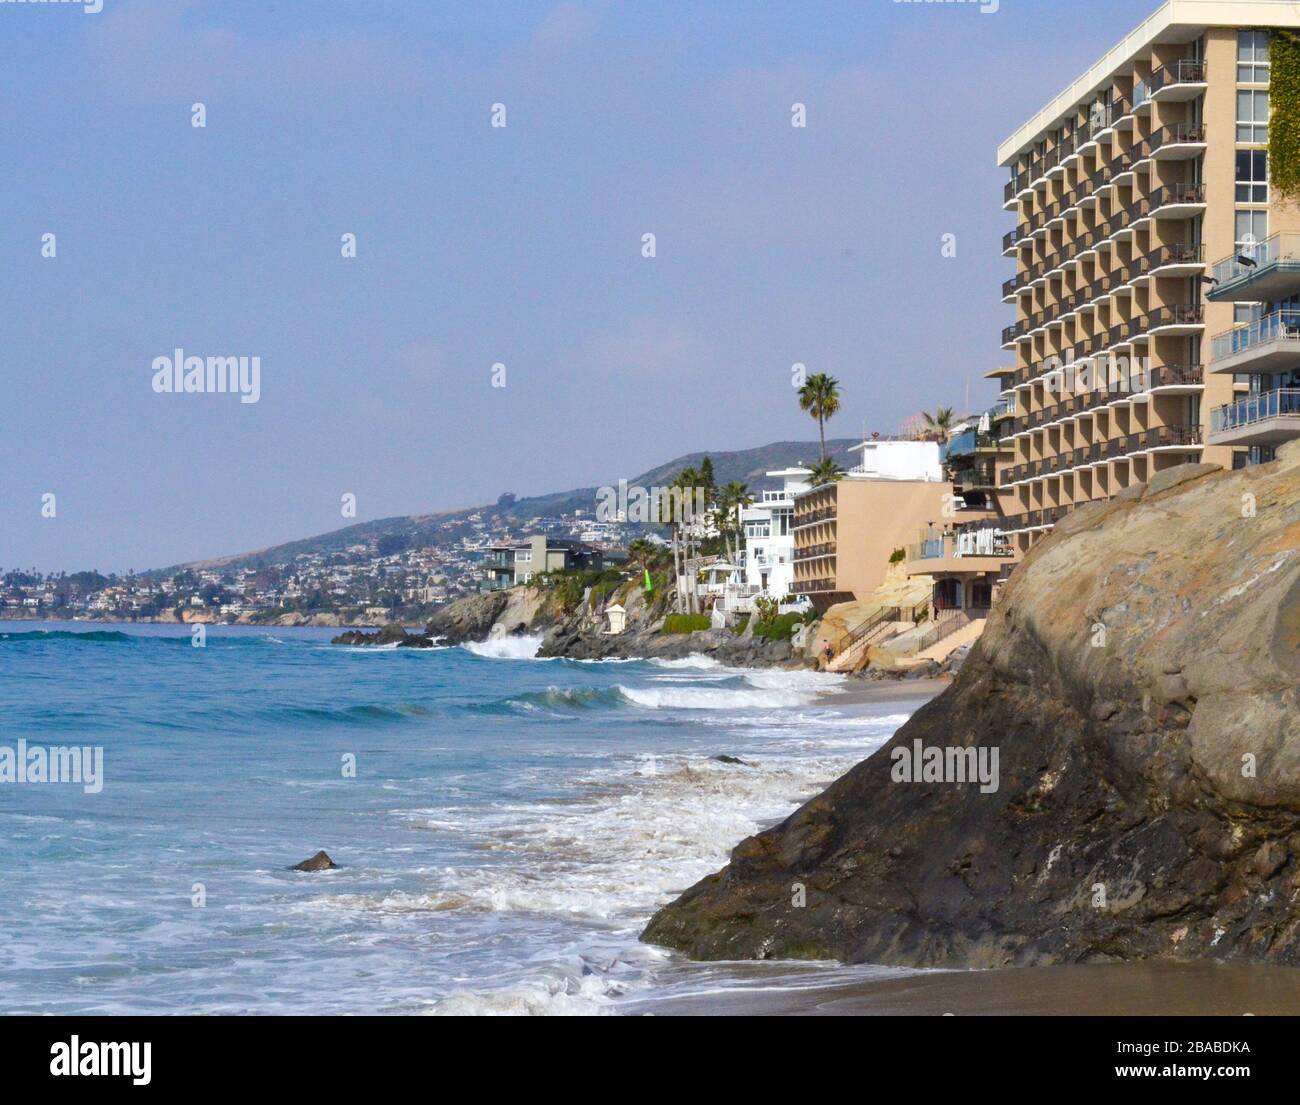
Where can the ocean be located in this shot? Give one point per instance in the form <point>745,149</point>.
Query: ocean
<point>504,825</point>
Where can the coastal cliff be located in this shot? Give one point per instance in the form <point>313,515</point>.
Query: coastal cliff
<point>1140,685</point>
<point>574,626</point>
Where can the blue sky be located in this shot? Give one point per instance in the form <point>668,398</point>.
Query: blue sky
<point>478,245</point>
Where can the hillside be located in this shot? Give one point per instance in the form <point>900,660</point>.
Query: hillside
<point>745,465</point>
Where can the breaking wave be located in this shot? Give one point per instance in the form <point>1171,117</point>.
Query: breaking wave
<point>505,648</point>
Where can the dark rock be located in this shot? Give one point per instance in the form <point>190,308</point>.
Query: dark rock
<point>725,759</point>
<point>391,634</point>
<point>319,862</point>
<point>1121,827</point>
<point>468,619</point>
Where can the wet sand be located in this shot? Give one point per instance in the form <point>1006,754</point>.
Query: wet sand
<point>1153,988</point>
<point>855,691</point>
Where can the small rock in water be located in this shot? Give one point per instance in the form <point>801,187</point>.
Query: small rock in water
<point>725,759</point>
<point>319,862</point>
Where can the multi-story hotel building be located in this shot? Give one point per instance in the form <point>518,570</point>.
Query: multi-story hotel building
<point>1126,189</point>
<point>967,553</point>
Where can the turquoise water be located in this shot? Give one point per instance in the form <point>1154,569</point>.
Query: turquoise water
<point>510,826</point>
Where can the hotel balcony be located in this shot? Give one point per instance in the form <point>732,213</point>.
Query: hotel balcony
<point>1177,319</point>
<point>812,586</point>
<point>984,550</point>
<point>813,517</point>
<point>1177,201</point>
<point>1179,142</point>
<point>1275,274</point>
<point>1179,81</point>
<point>1269,344</point>
<point>1267,418</point>
<point>814,552</point>
<point>1155,440</point>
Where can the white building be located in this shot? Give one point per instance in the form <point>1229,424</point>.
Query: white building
<point>767,560</point>
<point>897,460</point>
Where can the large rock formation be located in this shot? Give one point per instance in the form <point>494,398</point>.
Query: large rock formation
<point>1140,684</point>
<point>578,629</point>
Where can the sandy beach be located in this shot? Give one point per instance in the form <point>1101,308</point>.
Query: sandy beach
<point>1152,988</point>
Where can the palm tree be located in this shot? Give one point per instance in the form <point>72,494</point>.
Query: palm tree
<point>732,499</point>
<point>641,551</point>
<point>688,479</point>
<point>825,471</point>
<point>820,397</point>
<point>938,423</point>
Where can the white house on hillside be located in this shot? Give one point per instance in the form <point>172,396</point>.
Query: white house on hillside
<point>768,557</point>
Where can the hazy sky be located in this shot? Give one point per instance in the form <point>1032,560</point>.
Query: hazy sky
<point>477,245</point>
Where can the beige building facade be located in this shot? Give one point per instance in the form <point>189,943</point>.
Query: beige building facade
<point>845,533</point>
<point>1126,189</point>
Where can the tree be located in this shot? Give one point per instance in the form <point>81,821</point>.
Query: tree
<point>938,424</point>
<point>825,471</point>
<point>820,397</point>
<point>732,499</point>
<point>642,552</point>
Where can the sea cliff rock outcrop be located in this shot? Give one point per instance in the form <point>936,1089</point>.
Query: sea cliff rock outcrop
<point>577,631</point>
<point>1140,681</point>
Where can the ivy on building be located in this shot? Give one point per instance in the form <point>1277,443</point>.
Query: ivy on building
<point>1284,114</point>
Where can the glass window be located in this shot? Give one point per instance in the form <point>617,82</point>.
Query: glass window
<point>1252,57</point>
<point>1252,228</point>
<point>1252,117</point>
<point>1252,176</point>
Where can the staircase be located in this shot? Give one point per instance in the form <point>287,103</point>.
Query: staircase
<point>858,639</point>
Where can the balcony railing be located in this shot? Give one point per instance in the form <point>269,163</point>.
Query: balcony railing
<point>1100,119</point>
<point>812,517</point>
<point>1161,376</point>
<point>1178,314</point>
<point>1185,71</point>
<point>1279,248</point>
<point>1269,328</point>
<point>1177,254</point>
<point>814,552</point>
<point>1279,403</point>
<point>1171,195</point>
<point>812,586</point>
<point>1178,134</point>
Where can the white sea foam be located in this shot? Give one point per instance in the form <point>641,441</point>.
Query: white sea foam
<point>697,661</point>
<point>715,698</point>
<point>506,648</point>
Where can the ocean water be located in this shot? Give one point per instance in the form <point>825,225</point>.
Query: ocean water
<point>511,824</point>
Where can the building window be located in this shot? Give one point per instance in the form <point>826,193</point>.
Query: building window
<point>1252,176</point>
<point>1252,57</point>
<point>524,555</point>
<point>1252,228</point>
<point>1252,117</point>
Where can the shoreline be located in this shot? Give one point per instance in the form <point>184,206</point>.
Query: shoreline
<point>1145,988</point>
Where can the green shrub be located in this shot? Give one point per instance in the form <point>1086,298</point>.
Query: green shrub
<point>686,623</point>
<point>898,556</point>
<point>782,629</point>
<point>742,620</point>
<point>1284,115</point>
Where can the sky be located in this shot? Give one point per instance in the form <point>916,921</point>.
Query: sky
<point>479,246</point>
